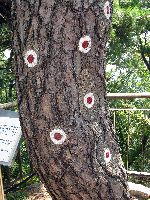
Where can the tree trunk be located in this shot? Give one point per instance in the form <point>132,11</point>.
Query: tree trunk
<point>60,55</point>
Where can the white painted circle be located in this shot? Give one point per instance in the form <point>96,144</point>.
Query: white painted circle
<point>85,44</point>
<point>107,9</point>
<point>58,136</point>
<point>89,100</point>
<point>30,58</point>
<point>7,53</point>
<point>107,155</point>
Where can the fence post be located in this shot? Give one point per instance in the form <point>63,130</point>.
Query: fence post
<point>1,186</point>
<point>128,140</point>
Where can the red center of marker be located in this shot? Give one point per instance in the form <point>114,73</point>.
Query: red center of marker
<point>107,155</point>
<point>30,58</point>
<point>57,136</point>
<point>85,44</point>
<point>108,10</point>
<point>89,100</point>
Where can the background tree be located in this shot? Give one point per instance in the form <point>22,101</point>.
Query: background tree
<point>130,33</point>
<point>127,71</point>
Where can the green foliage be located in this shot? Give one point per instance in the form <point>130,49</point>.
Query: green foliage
<point>129,33</point>
<point>5,37</point>
<point>132,128</point>
<point>18,195</point>
<point>14,171</point>
<point>130,20</point>
<point>22,192</point>
<point>127,72</point>
<point>7,77</point>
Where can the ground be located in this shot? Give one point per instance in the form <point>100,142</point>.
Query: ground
<point>38,192</point>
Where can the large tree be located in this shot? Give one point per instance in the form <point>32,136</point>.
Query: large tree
<point>59,48</point>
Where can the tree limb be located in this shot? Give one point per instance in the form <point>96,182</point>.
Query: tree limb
<point>15,187</point>
<point>143,56</point>
<point>5,11</point>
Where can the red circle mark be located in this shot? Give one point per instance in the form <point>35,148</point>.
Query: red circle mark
<point>30,58</point>
<point>107,155</point>
<point>108,10</point>
<point>85,44</point>
<point>89,100</point>
<point>57,136</point>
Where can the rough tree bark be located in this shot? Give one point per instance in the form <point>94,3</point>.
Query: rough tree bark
<point>51,96</point>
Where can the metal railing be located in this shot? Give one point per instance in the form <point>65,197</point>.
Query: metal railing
<point>132,126</point>
<point>129,126</point>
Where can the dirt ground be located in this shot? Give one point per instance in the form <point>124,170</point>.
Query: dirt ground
<point>38,192</point>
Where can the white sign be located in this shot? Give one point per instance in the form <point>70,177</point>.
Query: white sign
<point>10,133</point>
